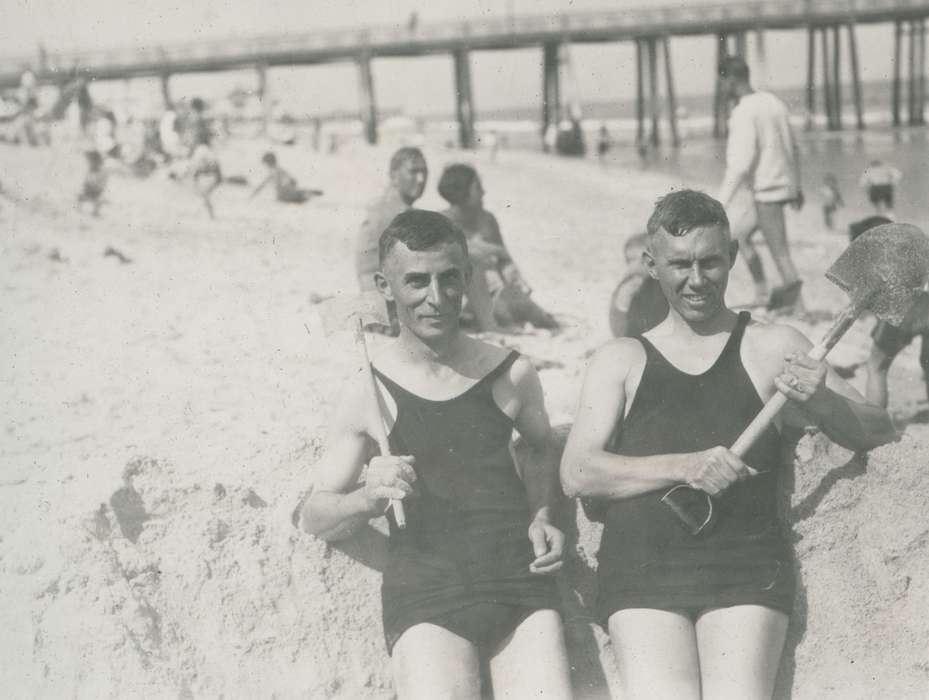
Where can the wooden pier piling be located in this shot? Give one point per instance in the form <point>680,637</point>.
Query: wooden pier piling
<point>856,76</point>
<point>654,101</point>
<point>895,83</point>
<point>551,86</point>
<point>837,76</point>
<point>810,76</point>
<point>669,87</point>
<point>464,101</point>
<point>368,103</point>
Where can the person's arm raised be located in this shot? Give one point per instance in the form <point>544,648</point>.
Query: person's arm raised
<point>338,507</point>
<point>587,469</point>
<point>820,396</point>
<point>260,187</point>
<point>540,470</point>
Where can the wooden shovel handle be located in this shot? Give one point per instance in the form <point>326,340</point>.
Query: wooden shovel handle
<point>380,432</point>
<point>774,405</point>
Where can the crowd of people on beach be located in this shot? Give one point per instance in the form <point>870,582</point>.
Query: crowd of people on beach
<point>695,586</point>
<point>180,143</point>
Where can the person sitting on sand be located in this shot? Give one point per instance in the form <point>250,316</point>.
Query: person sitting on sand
<point>467,585</point>
<point>407,181</point>
<point>701,615</point>
<point>637,304</point>
<point>498,294</point>
<point>94,184</point>
<point>879,180</point>
<point>285,185</point>
<point>762,176</point>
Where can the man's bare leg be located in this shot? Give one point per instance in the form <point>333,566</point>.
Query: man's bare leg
<point>744,225</point>
<point>656,652</point>
<point>430,662</point>
<point>740,651</point>
<point>774,228</point>
<point>533,662</point>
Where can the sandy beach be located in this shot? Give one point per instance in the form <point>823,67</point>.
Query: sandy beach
<point>162,416</point>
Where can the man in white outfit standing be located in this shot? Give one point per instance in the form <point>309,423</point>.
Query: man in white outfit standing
<point>762,176</point>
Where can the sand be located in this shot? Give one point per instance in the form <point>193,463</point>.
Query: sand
<point>162,416</point>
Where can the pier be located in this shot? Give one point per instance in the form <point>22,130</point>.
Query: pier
<point>830,25</point>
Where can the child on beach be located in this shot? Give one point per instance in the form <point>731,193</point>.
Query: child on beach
<point>832,199</point>
<point>637,304</point>
<point>91,193</point>
<point>880,179</point>
<point>207,174</point>
<point>285,185</point>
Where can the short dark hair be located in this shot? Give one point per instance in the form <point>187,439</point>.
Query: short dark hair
<point>455,182</point>
<point>419,229</point>
<point>402,155</point>
<point>681,211</point>
<point>733,67</point>
<point>269,159</point>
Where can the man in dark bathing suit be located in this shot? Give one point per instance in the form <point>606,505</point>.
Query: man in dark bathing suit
<point>699,616</point>
<point>467,581</point>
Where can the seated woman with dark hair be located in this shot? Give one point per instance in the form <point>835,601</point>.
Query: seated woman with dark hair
<point>510,302</point>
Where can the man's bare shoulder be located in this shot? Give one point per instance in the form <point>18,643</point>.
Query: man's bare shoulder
<point>616,358</point>
<point>483,356</point>
<point>774,340</point>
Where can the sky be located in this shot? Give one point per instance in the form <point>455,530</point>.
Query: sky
<point>502,79</point>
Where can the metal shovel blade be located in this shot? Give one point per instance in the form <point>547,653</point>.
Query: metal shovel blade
<point>884,270</point>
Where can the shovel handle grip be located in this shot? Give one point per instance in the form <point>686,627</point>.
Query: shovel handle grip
<point>380,432</point>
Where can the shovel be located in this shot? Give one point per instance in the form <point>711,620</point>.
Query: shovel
<point>356,311</point>
<point>883,271</point>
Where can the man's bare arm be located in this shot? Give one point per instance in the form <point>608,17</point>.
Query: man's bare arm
<point>820,396</point>
<point>540,473</point>
<point>338,506</point>
<point>260,186</point>
<point>587,469</point>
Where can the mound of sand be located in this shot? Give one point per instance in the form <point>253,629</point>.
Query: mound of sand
<point>164,415</point>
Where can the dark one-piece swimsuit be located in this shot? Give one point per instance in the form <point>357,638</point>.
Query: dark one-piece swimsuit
<point>462,562</point>
<point>647,558</point>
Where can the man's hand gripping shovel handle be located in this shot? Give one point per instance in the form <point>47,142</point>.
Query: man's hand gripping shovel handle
<point>380,432</point>
<point>674,500</point>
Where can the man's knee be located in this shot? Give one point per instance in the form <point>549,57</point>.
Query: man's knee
<point>431,662</point>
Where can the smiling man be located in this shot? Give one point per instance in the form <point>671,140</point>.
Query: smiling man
<point>468,581</point>
<point>699,616</point>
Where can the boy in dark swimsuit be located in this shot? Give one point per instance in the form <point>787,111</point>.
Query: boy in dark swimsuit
<point>94,184</point>
<point>703,616</point>
<point>467,581</point>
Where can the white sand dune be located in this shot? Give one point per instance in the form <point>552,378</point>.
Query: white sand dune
<point>162,416</point>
